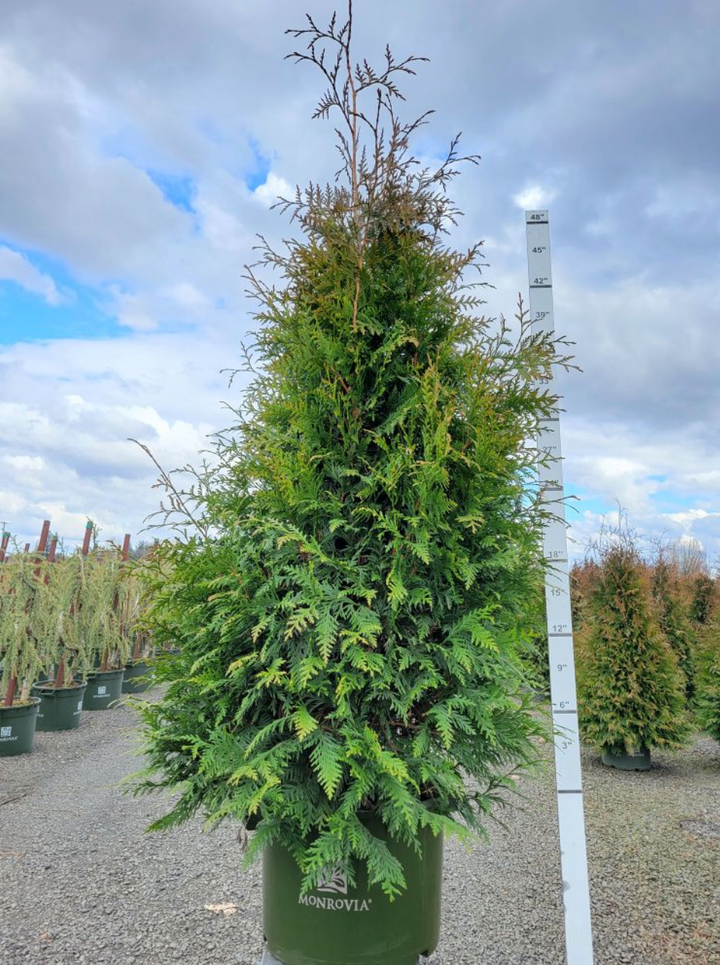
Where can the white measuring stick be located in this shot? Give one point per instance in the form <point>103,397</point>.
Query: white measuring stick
<point>571,820</point>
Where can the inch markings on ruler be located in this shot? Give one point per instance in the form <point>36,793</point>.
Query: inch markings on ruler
<point>563,693</point>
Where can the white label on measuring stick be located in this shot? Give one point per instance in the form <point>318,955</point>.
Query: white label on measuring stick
<point>573,857</point>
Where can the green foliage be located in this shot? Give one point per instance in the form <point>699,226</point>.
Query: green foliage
<point>630,690</point>
<point>77,612</point>
<point>704,599</point>
<point>21,652</point>
<point>674,619</point>
<point>54,621</point>
<point>705,612</point>
<point>104,611</point>
<point>709,686</point>
<point>584,578</point>
<point>353,612</point>
<point>536,654</point>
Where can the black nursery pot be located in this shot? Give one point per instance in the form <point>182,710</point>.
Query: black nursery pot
<point>104,687</point>
<point>338,924</point>
<point>60,707</point>
<point>627,762</point>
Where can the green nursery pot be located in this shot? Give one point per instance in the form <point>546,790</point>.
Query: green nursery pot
<point>60,707</point>
<point>337,924</point>
<point>17,727</point>
<point>104,687</point>
<point>627,762</point>
<point>138,677</point>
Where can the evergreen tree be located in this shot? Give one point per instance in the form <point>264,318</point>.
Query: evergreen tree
<point>353,608</point>
<point>704,596</point>
<point>583,582</point>
<point>674,619</point>
<point>706,611</point>
<point>709,681</point>
<point>630,689</point>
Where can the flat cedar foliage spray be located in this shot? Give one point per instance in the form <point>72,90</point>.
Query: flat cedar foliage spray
<point>353,606</point>
<point>630,689</point>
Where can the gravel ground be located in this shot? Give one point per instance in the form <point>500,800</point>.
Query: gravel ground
<point>81,883</point>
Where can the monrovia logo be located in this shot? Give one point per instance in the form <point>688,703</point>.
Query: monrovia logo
<point>334,882</point>
<point>5,732</point>
<point>101,691</point>
<point>337,884</point>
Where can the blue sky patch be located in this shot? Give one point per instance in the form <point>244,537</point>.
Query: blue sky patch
<point>27,316</point>
<point>261,167</point>
<point>178,189</point>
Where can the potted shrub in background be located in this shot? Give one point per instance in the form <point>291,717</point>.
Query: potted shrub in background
<point>99,623</point>
<point>631,693</point>
<point>61,695</point>
<point>21,658</point>
<point>138,673</point>
<point>354,604</point>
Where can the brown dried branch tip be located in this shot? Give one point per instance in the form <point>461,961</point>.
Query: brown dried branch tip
<point>380,173</point>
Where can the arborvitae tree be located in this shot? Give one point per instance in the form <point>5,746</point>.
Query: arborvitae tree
<point>584,577</point>
<point>708,702</point>
<point>704,597</point>
<point>674,618</point>
<point>353,608</point>
<point>630,690</point>
<point>706,611</point>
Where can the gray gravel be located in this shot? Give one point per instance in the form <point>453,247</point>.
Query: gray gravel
<point>81,883</point>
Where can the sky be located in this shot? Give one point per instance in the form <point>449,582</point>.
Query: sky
<point>143,144</point>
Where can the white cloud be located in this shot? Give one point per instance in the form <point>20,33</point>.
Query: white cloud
<point>26,463</point>
<point>690,516</point>
<point>97,212</point>
<point>16,267</point>
<point>132,312</point>
<point>67,457</point>
<point>534,196</point>
<point>273,188</point>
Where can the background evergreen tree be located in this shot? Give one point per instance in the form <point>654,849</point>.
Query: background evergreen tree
<point>709,680</point>
<point>353,608</point>
<point>706,610</point>
<point>630,690</point>
<point>584,577</point>
<point>674,618</point>
<point>704,598</point>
